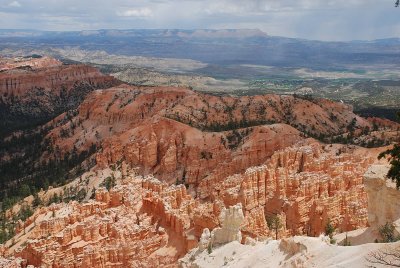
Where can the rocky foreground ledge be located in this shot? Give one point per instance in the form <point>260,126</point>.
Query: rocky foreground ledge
<point>298,251</point>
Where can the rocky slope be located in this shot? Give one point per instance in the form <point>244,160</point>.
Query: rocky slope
<point>304,185</point>
<point>35,90</point>
<point>32,92</point>
<point>182,162</point>
<point>142,222</point>
<point>180,135</point>
<point>34,62</point>
<point>139,223</point>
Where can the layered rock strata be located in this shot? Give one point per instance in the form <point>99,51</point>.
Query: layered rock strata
<point>28,63</point>
<point>147,222</point>
<point>36,90</point>
<point>305,186</point>
<point>181,135</point>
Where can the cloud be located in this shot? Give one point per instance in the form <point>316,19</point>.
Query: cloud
<point>138,12</point>
<point>14,4</point>
<point>311,19</point>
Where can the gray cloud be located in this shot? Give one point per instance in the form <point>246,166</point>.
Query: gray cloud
<point>312,19</point>
<point>14,4</point>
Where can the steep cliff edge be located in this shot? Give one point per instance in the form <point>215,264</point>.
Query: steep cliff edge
<point>35,90</point>
<point>383,206</point>
<point>184,136</point>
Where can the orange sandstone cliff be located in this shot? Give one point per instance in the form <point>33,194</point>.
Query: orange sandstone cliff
<point>143,222</point>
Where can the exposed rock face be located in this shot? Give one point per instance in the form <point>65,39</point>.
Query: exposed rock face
<point>114,230</point>
<point>28,63</point>
<point>57,79</point>
<point>167,131</point>
<point>306,185</point>
<point>45,88</point>
<point>383,197</point>
<point>231,219</point>
<point>248,154</point>
<point>140,223</point>
<point>174,151</point>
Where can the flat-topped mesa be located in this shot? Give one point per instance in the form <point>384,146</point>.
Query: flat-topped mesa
<point>308,185</point>
<point>30,96</point>
<point>58,79</point>
<point>31,63</point>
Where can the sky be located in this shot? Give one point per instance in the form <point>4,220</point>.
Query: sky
<point>329,20</point>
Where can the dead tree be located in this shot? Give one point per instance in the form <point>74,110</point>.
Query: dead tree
<point>388,256</point>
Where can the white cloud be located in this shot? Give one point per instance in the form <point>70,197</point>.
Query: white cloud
<point>14,4</point>
<point>136,12</point>
<point>311,19</point>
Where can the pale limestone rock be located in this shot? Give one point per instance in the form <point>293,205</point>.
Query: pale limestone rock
<point>250,241</point>
<point>231,219</point>
<point>205,239</point>
<point>383,197</point>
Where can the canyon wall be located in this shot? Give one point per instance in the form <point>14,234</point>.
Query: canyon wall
<point>145,221</point>
<point>183,136</point>
<point>41,89</point>
<point>54,78</point>
<point>306,186</point>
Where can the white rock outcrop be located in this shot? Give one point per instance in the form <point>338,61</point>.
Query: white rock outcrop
<point>383,197</point>
<point>231,219</point>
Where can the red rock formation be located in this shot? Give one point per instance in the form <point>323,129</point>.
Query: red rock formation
<point>30,95</point>
<point>100,233</point>
<point>382,122</point>
<point>167,131</point>
<point>30,63</point>
<point>174,151</point>
<point>309,185</point>
<point>54,78</point>
<point>141,223</point>
<point>148,222</point>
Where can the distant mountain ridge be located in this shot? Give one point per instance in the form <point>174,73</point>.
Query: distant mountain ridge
<point>221,47</point>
